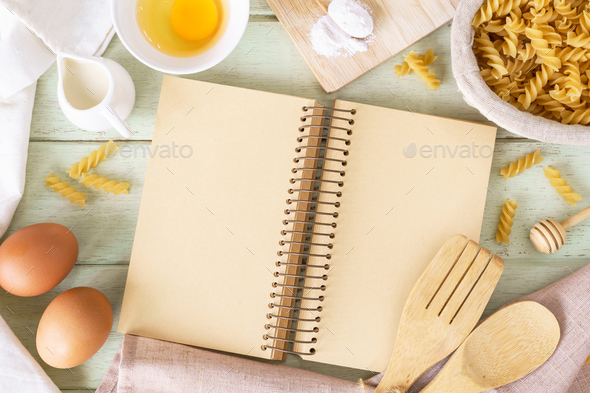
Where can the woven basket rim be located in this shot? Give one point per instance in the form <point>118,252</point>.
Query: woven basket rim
<point>478,95</point>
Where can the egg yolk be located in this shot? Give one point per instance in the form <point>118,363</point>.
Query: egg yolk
<point>194,19</point>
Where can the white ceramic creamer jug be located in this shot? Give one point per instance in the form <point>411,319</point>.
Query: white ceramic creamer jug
<point>95,93</point>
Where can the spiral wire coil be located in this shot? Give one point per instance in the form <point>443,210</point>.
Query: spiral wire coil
<point>284,326</point>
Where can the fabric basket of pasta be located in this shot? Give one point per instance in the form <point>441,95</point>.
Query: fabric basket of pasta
<point>525,65</point>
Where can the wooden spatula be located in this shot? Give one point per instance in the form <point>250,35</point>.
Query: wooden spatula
<point>507,346</point>
<point>442,309</point>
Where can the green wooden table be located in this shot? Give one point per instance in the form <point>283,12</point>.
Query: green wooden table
<point>266,59</point>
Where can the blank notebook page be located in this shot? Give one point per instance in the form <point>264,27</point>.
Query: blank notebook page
<point>208,228</point>
<point>395,213</point>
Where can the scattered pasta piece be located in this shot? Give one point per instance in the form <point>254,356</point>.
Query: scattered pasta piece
<point>561,186</point>
<point>535,55</point>
<point>93,159</point>
<point>505,224</point>
<point>105,184</point>
<point>522,165</point>
<point>404,69</point>
<point>65,190</point>
<point>422,71</point>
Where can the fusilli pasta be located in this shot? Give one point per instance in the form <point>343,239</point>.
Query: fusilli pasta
<point>65,190</point>
<point>486,12</point>
<point>490,52</point>
<point>561,186</point>
<point>523,164</point>
<point>422,71</point>
<point>535,55</point>
<point>506,222</point>
<point>93,159</point>
<point>105,184</point>
<point>404,69</point>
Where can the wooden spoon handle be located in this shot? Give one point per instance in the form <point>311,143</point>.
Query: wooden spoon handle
<point>392,384</point>
<point>576,218</point>
<point>400,375</point>
<point>450,379</point>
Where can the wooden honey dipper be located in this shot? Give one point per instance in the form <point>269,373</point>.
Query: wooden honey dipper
<point>548,236</point>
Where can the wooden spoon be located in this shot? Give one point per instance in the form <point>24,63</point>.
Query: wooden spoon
<point>509,345</point>
<point>548,236</point>
<point>442,309</point>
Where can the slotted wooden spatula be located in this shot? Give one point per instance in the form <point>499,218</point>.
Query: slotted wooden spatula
<point>442,309</point>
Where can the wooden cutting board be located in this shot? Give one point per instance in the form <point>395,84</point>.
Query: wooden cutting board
<point>398,24</point>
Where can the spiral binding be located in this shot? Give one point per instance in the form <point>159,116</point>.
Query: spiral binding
<point>304,199</point>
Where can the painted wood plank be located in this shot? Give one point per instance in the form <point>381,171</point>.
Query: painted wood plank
<point>537,200</point>
<point>260,7</point>
<point>24,314</point>
<point>105,228</point>
<point>267,60</point>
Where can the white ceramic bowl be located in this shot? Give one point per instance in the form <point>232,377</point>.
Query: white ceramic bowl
<point>125,21</point>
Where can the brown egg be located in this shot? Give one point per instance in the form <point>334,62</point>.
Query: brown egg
<point>36,258</point>
<point>74,327</point>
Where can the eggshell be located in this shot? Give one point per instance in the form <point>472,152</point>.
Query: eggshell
<point>36,258</point>
<point>74,327</point>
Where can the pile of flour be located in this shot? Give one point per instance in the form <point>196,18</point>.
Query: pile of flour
<point>329,40</point>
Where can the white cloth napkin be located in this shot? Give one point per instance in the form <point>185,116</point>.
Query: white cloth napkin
<point>15,115</point>
<point>19,372</point>
<point>31,32</point>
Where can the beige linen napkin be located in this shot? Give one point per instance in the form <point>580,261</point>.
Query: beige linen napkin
<point>148,365</point>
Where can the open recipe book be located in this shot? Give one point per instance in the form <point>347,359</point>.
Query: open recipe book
<point>237,250</point>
